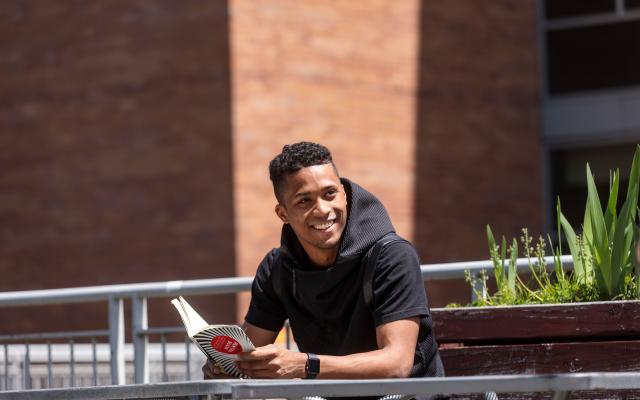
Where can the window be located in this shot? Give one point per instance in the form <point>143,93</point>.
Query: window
<point>593,57</point>
<point>569,180</point>
<point>563,9</point>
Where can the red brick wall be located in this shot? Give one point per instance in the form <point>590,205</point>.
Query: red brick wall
<point>121,124</point>
<point>478,142</point>
<point>433,106</point>
<point>341,73</point>
<point>116,148</point>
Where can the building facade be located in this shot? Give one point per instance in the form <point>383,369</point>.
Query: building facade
<point>136,135</point>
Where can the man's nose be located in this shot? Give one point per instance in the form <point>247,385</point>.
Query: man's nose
<point>323,207</point>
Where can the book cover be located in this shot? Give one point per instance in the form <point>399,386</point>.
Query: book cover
<point>220,343</point>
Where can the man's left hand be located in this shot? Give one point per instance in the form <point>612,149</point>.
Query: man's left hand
<point>273,361</point>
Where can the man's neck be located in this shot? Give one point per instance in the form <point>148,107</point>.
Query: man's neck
<point>322,258</point>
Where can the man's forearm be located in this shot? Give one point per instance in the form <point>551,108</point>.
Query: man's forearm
<point>393,358</point>
<point>383,363</point>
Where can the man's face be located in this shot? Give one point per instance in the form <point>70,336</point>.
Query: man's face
<point>314,204</point>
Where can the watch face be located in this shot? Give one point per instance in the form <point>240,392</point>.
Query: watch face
<point>313,365</point>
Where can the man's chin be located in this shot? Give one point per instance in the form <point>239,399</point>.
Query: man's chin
<point>330,243</point>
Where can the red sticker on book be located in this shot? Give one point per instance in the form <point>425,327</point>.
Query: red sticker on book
<point>226,344</point>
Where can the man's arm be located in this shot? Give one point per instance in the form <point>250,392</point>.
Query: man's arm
<point>393,359</point>
<point>259,337</point>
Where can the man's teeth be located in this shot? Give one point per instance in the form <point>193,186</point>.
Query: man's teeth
<point>324,226</point>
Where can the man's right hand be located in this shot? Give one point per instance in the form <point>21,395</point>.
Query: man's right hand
<point>211,370</point>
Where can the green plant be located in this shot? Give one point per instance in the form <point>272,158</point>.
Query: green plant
<point>542,286</point>
<point>609,238</point>
<point>603,254</point>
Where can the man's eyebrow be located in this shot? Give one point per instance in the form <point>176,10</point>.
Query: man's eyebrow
<point>308,192</point>
<point>301,194</point>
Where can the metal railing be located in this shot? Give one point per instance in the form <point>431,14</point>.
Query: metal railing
<point>560,384</point>
<point>138,293</point>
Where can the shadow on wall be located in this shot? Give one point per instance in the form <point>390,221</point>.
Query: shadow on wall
<point>116,164</point>
<point>478,158</point>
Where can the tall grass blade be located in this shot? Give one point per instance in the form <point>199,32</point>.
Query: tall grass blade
<point>610,213</point>
<point>599,246</point>
<point>578,267</point>
<point>513,268</point>
<point>498,269</point>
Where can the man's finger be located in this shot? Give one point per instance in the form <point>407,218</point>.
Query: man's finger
<point>252,365</point>
<point>259,373</point>
<point>206,371</point>
<point>260,353</point>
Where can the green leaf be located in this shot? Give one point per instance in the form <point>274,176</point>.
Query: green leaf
<point>513,267</point>
<point>503,257</point>
<point>634,175</point>
<point>557,262</point>
<point>600,244</point>
<point>497,264</point>
<point>578,268</point>
<point>622,239</point>
<point>610,213</point>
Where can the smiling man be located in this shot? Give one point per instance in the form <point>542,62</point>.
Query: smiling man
<point>350,287</point>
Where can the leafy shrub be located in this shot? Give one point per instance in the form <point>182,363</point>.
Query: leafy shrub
<point>603,254</point>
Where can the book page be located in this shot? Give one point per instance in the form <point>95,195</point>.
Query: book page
<point>192,321</point>
<point>220,343</point>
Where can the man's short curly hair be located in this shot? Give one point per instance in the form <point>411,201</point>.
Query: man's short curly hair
<point>295,157</point>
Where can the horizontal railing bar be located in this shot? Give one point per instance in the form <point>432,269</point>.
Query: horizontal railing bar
<point>456,270</point>
<point>101,293</point>
<point>327,388</point>
<point>423,386</point>
<point>215,286</point>
<point>140,391</point>
<point>159,330</point>
<point>53,335</point>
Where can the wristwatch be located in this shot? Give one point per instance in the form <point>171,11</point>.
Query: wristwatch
<point>312,368</point>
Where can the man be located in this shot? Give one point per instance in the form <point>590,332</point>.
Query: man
<point>317,279</point>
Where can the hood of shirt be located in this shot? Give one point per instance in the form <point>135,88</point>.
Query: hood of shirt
<point>324,291</point>
<point>367,222</point>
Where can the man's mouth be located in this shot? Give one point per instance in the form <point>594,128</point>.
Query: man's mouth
<point>324,226</point>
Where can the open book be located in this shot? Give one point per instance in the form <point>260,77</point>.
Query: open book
<point>220,343</point>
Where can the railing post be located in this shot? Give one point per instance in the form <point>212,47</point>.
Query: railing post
<point>27,367</point>
<point>140,340</point>
<point>116,339</point>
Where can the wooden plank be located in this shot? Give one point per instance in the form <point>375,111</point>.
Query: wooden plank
<point>542,358</point>
<point>538,323</point>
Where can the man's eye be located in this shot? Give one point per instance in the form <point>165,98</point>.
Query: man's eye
<point>303,201</point>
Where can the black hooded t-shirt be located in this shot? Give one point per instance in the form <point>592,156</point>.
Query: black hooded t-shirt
<point>326,306</point>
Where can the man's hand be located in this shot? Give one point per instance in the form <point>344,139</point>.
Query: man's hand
<point>211,370</point>
<point>273,361</point>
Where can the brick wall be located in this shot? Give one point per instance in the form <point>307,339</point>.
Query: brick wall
<point>116,148</point>
<point>121,124</point>
<point>341,73</point>
<point>432,106</point>
<point>478,142</point>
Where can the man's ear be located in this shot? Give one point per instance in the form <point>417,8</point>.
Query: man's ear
<point>281,212</point>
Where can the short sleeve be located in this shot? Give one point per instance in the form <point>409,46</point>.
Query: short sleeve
<point>265,310</point>
<point>398,288</point>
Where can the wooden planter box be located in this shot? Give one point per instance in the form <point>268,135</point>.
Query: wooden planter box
<point>540,339</point>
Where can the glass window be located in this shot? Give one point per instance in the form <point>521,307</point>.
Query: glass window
<point>575,8</point>
<point>593,57</point>
<point>631,4</point>
<point>569,179</point>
